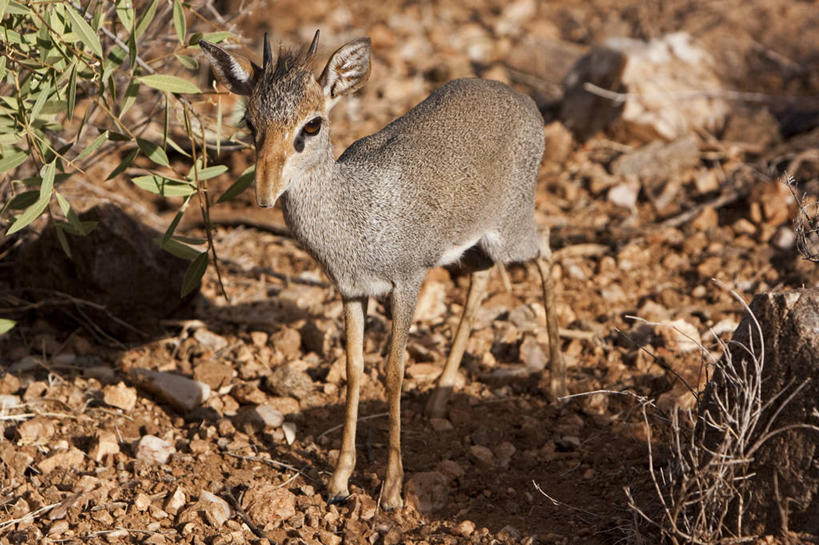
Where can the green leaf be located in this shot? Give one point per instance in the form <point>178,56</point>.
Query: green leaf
<point>180,250</point>
<point>172,84</point>
<point>164,186</point>
<point>45,90</point>
<point>72,91</point>
<point>24,199</point>
<point>179,21</point>
<point>216,37</point>
<point>31,213</point>
<point>12,160</point>
<point>47,186</point>
<point>239,185</point>
<point>124,164</point>
<point>63,240</point>
<point>193,276</point>
<point>92,147</point>
<point>3,5</point>
<point>208,173</point>
<point>125,13</point>
<point>6,324</point>
<point>153,152</point>
<point>188,62</point>
<point>145,19</point>
<point>84,31</point>
<point>130,97</point>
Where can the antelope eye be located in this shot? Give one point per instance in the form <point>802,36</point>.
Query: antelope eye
<point>312,127</point>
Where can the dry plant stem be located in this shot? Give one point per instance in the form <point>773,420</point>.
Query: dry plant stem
<point>204,203</point>
<point>619,98</point>
<point>704,483</point>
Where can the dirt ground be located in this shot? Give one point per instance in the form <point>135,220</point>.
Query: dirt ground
<point>506,465</point>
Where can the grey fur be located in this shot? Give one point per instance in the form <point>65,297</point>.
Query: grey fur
<point>459,167</point>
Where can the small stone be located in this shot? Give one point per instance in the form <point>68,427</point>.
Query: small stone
<point>707,219</point>
<point>9,384</point>
<point>213,373</point>
<point>706,181</point>
<point>624,194</point>
<point>744,227</point>
<point>259,338</point>
<point>261,417</point>
<point>509,533</point>
<point>181,392</point>
<point>287,341</point>
<point>424,372</point>
<point>559,142</point>
<point>531,354</point>
<point>248,393</point>
<point>36,431</point>
<point>142,501</point>
<point>431,302</point>
<point>784,238</point>
<point>120,396</point>
<point>106,444</point>
<point>58,528</point>
<point>465,528</point>
<point>268,505</point>
<point>568,442</point>
<point>35,390</point>
<point>482,456</point>
<point>285,405</point>
<point>154,450</point>
<point>210,340</point>
<point>289,429</point>
<point>427,491</point>
<point>9,402</point>
<point>368,508</point>
<point>504,452</point>
<point>440,424</point>
<point>71,458</point>
<point>450,468</point>
<point>316,339</point>
<point>289,380</point>
<point>216,510</point>
<point>680,335</point>
<point>175,501</point>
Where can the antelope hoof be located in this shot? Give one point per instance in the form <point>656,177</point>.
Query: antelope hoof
<point>337,492</point>
<point>392,500</point>
<point>436,404</point>
<point>335,499</point>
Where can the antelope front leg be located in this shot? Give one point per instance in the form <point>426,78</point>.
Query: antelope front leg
<point>354,315</point>
<point>403,308</point>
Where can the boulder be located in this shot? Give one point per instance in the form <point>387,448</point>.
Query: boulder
<point>667,87</point>
<point>118,266</point>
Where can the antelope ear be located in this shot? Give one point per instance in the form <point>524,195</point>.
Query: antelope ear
<point>347,70</point>
<point>233,71</point>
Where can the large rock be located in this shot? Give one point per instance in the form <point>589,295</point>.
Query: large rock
<point>786,464</point>
<point>667,87</point>
<point>118,266</point>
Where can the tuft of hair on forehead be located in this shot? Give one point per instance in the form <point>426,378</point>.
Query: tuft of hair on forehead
<point>288,61</point>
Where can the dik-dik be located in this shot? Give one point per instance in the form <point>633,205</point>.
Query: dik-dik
<point>452,179</point>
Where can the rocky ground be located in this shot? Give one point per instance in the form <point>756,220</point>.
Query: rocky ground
<point>97,448</point>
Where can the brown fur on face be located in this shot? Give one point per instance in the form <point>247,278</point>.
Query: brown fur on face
<point>277,111</point>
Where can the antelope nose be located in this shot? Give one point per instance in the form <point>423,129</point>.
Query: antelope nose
<point>266,204</point>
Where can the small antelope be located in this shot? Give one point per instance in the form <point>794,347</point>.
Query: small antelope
<point>452,179</point>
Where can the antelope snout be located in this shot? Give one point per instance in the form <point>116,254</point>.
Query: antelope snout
<point>269,182</point>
